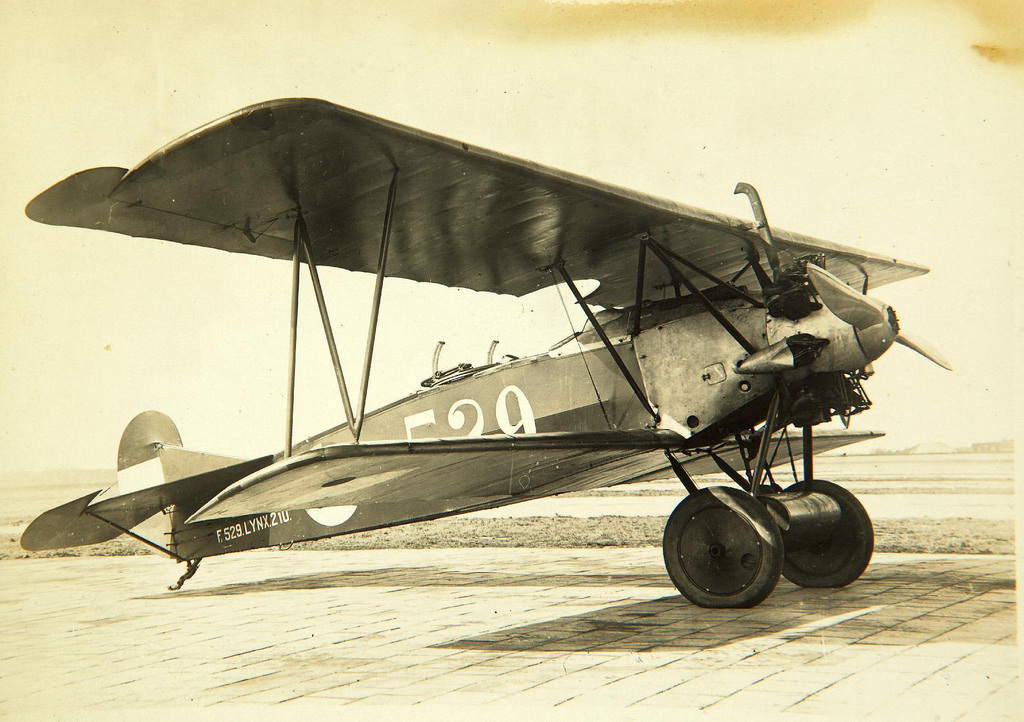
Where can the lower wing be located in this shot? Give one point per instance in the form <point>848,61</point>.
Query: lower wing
<point>473,473</point>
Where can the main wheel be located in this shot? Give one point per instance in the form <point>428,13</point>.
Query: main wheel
<point>844,555</point>
<point>722,549</point>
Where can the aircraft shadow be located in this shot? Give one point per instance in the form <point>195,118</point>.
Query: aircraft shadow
<point>879,604</point>
<point>424,576</point>
<point>913,577</point>
<point>920,592</point>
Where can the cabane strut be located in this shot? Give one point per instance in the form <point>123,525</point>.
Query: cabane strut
<point>607,342</point>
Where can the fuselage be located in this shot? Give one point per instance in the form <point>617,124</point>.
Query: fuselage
<point>686,363</point>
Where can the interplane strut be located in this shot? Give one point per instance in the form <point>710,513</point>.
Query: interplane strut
<point>303,247</point>
<point>371,336</point>
<point>293,337</point>
<point>303,235</point>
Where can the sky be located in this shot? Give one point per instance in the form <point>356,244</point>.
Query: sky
<point>893,127</point>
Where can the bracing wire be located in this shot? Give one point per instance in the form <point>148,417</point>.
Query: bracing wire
<point>583,357</point>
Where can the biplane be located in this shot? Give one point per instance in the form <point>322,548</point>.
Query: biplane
<point>707,339</point>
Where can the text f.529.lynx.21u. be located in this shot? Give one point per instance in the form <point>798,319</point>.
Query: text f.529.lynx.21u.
<point>707,338</point>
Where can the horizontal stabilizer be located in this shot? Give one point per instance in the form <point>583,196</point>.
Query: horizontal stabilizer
<point>82,522</point>
<point>67,526</point>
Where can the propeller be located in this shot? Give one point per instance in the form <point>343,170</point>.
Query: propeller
<point>858,310</point>
<point>864,312</point>
<point>925,350</point>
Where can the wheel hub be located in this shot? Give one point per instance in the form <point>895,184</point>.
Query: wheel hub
<point>720,551</point>
<point>722,548</point>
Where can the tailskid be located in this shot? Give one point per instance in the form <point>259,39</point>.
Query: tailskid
<point>193,567</point>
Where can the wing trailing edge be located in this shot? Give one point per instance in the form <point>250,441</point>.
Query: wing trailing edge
<point>464,216</point>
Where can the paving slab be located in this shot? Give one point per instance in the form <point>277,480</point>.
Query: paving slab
<point>600,630</point>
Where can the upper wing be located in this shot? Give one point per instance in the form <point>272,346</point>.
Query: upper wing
<point>464,216</point>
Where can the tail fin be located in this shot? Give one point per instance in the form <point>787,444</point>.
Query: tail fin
<point>154,474</point>
<point>150,453</point>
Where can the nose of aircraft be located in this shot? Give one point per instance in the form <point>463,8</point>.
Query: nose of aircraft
<point>874,340</point>
<point>873,321</point>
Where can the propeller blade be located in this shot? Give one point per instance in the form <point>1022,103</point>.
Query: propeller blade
<point>857,310</point>
<point>922,349</point>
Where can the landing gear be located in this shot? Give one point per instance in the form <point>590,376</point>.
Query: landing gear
<point>727,547</point>
<point>842,555</point>
<point>722,549</point>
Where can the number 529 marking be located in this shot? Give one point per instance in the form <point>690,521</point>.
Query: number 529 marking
<point>457,415</point>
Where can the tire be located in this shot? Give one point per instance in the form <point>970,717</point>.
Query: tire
<point>722,549</point>
<point>844,555</point>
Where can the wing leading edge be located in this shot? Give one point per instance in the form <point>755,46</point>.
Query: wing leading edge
<point>464,216</point>
<point>467,474</point>
<point>484,471</point>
